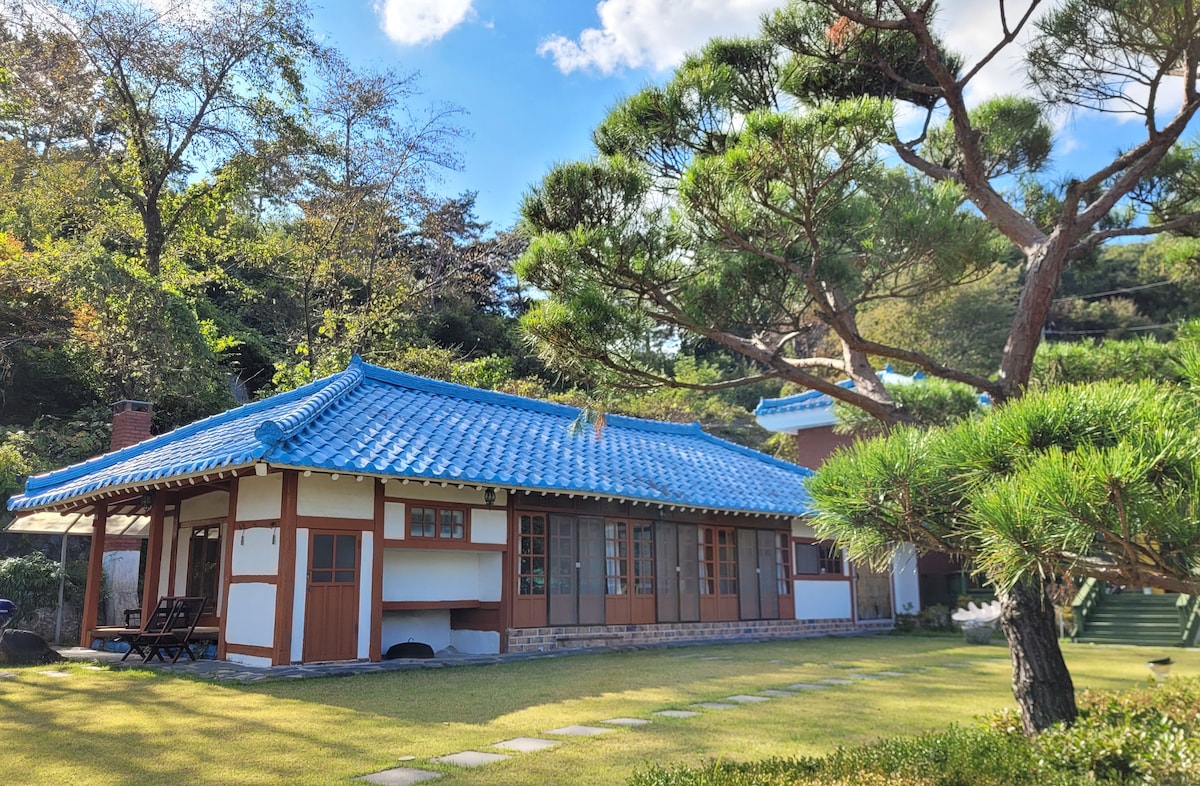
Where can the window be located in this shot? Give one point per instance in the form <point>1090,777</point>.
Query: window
<point>204,564</point>
<point>783,568</point>
<point>333,559</point>
<point>718,561</point>
<point>442,523</point>
<point>814,559</point>
<point>531,565</point>
<point>628,558</point>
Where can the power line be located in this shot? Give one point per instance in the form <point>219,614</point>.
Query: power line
<point>1123,291</point>
<point>1110,330</point>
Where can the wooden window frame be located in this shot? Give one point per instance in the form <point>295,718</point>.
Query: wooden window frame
<point>783,563</point>
<point>533,555</point>
<point>210,596</point>
<point>825,548</point>
<point>439,509</point>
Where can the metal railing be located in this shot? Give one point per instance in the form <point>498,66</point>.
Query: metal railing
<point>1085,602</point>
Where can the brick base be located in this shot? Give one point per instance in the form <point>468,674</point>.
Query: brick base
<point>555,638</point>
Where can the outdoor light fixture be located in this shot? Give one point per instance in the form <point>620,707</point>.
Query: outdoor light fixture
<point>1160,668</point>
<point>147,500</point>
<point>489,497</point>
<point>274,524</point>
<point>260,469</point>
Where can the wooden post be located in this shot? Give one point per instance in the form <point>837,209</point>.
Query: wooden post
<point>287,578</point>
<point>91,594</point>
<point>154,547</point>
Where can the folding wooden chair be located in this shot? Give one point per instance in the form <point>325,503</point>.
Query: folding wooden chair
<point>176,638</point>
<point>137,638</point>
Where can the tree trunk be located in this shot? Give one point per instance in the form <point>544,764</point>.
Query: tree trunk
<point>1041,683</point>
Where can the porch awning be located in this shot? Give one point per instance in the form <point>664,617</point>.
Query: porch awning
<point>80,523</point>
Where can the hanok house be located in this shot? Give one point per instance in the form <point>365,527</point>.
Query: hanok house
<point>373,508</point>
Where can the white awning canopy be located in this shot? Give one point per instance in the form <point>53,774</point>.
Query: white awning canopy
<point>80,523</point>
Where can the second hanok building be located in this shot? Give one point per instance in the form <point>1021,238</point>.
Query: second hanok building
<point>373,508</point>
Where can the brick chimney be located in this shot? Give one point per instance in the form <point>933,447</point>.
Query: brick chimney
<point>130,423</point>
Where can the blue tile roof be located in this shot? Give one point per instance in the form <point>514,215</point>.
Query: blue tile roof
<point>813,399</point>
<point>374,421</point>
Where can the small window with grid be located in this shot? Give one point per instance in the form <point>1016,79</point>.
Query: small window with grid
<point>440,523</point>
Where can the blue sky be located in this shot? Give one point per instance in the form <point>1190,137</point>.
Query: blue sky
<point>536,76</point>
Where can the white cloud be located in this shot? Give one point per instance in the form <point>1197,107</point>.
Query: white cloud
<point>652,33</point>
<point>421,21</point>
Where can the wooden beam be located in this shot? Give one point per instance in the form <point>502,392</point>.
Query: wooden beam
<point>91,593</point>
<point>154,546</point>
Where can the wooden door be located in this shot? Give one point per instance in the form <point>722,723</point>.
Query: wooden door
<point>768,571</point>
<point>529,605</point>
<point>874,593</point>
<point>747,562</point>
<point>331,608</point>
<point>564,572</point>
<point>717,551</point>
<point>689,573</point>
<point>667,570</point>
<point>591,570</point>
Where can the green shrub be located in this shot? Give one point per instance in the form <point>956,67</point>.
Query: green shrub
<point>1140,737</point>
<point>31,582</point>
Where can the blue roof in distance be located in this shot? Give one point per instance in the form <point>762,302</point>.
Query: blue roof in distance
<point>374,421</point>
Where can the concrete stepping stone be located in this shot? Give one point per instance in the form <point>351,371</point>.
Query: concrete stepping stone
<point>525,744</point>
<point>400,776</point>
<point>580,731</point>
<point>95,668</point>
<point>677,713</point>
<point>7,675</point>
<point>957,665</point>
<point>836,681</point>
<point>626,721</point>
<point>742,698</point>
<point>778,693</point>
<point>892,673</point>
<point>865,677</point>
<point>806,686</point>
<point>715,705</point>
<point>470,759</point>
<point>54,673</point>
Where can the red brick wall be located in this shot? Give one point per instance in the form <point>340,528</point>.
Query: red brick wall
<point>131,423</point>
<point>813,445</point>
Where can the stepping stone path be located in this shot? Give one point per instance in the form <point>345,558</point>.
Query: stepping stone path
<point>54,673</point>
<point>525,744</point>
<point>470,758</point>
<point>401,776</point>
<point>7,675</point>
<point>626,721</point>
<point>580,731</point>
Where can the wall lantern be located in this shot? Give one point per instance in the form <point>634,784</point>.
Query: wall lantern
<point>147,500</point>
<point>489,497</point>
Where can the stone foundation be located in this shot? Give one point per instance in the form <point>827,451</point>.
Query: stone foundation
<point>583,636</point>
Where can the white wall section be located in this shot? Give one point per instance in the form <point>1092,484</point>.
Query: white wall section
<point>213,505</point>
<point>489,525</point>
<point>365,593</point>
<point>822,600</point>
<point>250,619</point>
<point>906,580</point>
<point>257,556</point>
<point>260,498</point>
<point>431,575</point>
<point>299,595</point>
<point>394,523</point>
<point>344,498</point>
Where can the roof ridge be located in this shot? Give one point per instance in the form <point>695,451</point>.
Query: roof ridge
<point>272,432</point>
<point>75,471</point>
<point>442,387</point>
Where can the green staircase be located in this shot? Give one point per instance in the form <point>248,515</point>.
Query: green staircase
<point>1133,618</point>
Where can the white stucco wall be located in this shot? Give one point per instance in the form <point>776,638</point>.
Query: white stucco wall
<point>248,660</point>
<point>394,522</point>
<point>489,525</point>
<point>428,627</point>
<point>467,495</point>
<point>253,552</point>
<point>164,561</point>
<point>365,593</point>
<point>344,498</point>
<point>429,574</point>
<point>476,642</point>
<point>802,530</point>
<point>205,507</point>
<point>122,569</point>
<point>250,618</point>
<point>906,580</point>
<point>260,498</point>
<point>301,592</point>
<point>822,600</point>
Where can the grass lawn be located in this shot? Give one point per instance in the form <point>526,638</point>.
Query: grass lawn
<point>124,726</point>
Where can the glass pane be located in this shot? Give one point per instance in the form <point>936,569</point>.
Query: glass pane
<point>526,566</point>
<point>345,552</point>
<point>539,586</point>
<point>322,576</point>
<point>460,532</point>
<point>539,525</point>
<point>345,576</point>
<point>322,556</point>
<point>525,586</point>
